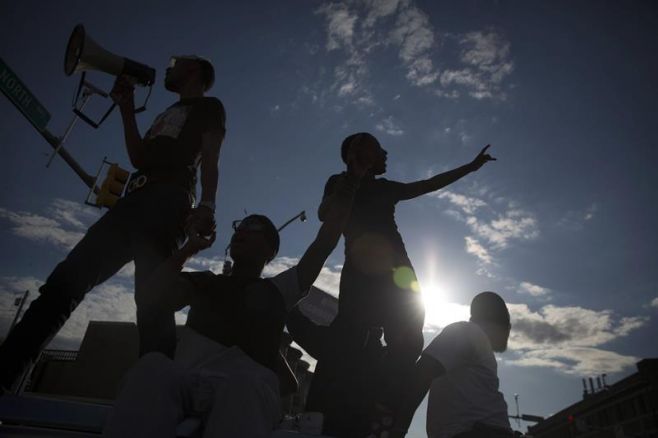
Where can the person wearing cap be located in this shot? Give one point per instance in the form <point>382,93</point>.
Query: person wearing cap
<point>145,226</point>
<point>224,369</point>
<point>460,371</point>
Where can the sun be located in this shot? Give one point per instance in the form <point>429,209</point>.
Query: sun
<point>438,311</point>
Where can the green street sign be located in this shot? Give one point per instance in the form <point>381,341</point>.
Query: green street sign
<point>22,98</point>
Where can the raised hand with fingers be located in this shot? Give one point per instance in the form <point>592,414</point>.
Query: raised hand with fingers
<point>196,243</point>
<point>482,157</point>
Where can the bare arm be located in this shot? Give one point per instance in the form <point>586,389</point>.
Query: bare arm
<point>418,188</point>
<point>123,95</point>
<point>166,279</point>
<point>327,198</point>
<point>311,263</point>
<point>211,145</point>
<point>427,369</point>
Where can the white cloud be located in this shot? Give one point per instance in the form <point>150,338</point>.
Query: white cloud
<point>474,247</point>
<point>468,204</point>
<point>128,270</point>
<point>381,8</point>
<point>509,225</point>
<point>485,56</point>
<point>358,27</point>
<point>41,229</point>
<point>580,361</point>
<point>654,302</point>
<point>340,24</point>
<point>64,225</point>
<point>532,289</point>
<point>414,35</point>
<point>577,219</point>
<point>389,126</point>
<point>590,212</point>
<point>328,280</point>
<point>493,226</point>
<point>565,338</point>
<point>111,301</point>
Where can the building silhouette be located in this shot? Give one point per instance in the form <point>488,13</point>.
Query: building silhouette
<point>628,408</point>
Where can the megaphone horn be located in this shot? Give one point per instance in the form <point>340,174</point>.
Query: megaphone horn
<point>83,53</point>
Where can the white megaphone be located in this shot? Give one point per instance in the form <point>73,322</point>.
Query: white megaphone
<point>83,53</point>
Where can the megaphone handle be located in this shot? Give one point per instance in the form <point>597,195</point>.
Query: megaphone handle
<point>107,114</point>
<point>143,107</point>
<point>93,124</point>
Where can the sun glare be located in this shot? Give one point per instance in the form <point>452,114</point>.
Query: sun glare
<point>438,311</point>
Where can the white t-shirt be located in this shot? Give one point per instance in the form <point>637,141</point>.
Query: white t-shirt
<point>468,392</point>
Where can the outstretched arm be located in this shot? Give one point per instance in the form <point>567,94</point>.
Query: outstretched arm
<point>123,94</point>
<point>418,188</point>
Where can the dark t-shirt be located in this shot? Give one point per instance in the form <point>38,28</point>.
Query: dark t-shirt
<point>233,311</point>
<point>371,233</point>
<point>173,143</point>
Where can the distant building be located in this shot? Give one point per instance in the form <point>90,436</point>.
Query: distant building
<point>628,408</point>
<point>107,351</point>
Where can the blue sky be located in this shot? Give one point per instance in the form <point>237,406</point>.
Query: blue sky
<point>562,225</point>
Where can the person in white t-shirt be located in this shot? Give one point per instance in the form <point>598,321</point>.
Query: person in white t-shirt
<point>459,369</point>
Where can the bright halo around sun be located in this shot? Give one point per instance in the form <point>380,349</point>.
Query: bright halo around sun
<point>438,311</point>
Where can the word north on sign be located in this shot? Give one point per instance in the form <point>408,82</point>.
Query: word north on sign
<point>22,98</point>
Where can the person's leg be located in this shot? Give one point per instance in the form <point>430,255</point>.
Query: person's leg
<point>102,251</point>
<point>339,389</point>
<point>156,233</point>
<point>151,400</point>
<point>403,325</point>
<point>403,333</point>
<point>246,404</point>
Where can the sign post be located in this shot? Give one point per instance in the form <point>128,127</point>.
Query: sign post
<point>36,113</point>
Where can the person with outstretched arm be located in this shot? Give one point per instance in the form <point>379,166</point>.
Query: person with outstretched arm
<point>460,371</point>
<point>145,226</point>
<point>224,369</point>
<point>378,286</point>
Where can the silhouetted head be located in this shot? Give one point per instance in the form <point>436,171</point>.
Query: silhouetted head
<point>489,311</point>
<point>367,149</point>
<point>187,69</point>
<point>255,240</point>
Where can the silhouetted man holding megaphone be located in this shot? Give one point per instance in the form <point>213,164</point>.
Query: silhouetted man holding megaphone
<point>146,225</point>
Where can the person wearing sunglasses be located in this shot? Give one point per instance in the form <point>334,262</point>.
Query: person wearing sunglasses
<point>224,370</point>
<point>146,225</point>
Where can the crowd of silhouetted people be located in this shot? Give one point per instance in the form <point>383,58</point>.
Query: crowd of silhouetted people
<point>226,370</point>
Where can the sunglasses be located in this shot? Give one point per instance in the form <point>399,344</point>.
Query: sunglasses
<point>248,224</point>
<point>174,59</point>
